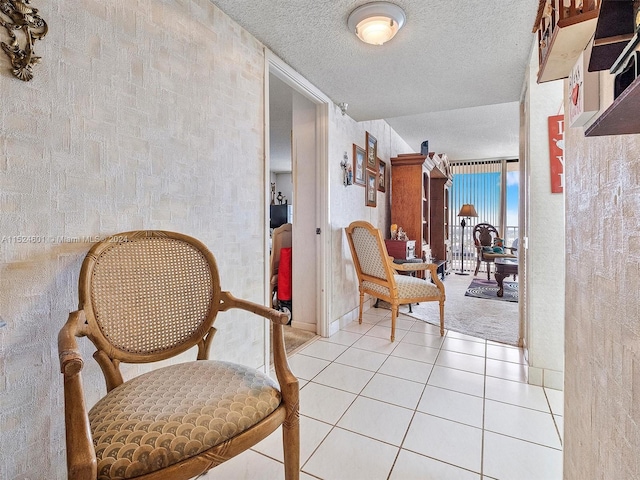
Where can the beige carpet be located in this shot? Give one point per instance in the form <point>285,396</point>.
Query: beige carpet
<point>295,339</point>
<point>491,320</point>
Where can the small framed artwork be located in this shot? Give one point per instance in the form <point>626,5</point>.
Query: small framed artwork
<point>382,175</point>
<point>358,165</point>
<point>371,188</point>
<point>372,151</point>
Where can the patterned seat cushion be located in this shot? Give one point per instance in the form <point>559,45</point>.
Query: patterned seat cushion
<point>176,412</point>
<point>408,287</point>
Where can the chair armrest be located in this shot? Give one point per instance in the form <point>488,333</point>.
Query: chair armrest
<point>81,456</point>
<point>414,267</point>
<point>288,381</point>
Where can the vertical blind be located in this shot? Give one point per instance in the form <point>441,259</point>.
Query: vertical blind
<point>483,184</point>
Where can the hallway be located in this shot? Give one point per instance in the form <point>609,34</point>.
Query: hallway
<point>425,407</point>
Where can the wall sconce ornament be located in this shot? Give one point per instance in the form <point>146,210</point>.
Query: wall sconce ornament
<point>347,171</point>
<point>18,17</point>
<point>343,108</point>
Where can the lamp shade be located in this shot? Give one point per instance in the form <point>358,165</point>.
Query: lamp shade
<point>468,210</point>
<point>376,22</point>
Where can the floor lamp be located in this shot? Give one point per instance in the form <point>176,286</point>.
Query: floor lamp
<point>467,210</point>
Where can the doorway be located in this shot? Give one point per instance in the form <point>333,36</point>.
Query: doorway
<point>296,117</point>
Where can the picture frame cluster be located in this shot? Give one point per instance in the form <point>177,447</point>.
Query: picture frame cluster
<point>368,170</point>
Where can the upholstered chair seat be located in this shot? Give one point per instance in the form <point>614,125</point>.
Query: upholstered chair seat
<point>171,414</point>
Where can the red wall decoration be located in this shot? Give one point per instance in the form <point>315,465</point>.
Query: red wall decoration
<point>556,152</point>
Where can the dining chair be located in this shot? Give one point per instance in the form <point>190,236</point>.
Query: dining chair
<point>147,296</point>
<point>379,277</point>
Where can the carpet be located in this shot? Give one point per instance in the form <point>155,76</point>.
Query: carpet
<point>495,321</point>
<point>488,289</point>
<point>294,339</point>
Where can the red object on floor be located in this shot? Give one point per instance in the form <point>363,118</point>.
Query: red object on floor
<point>284,274</point>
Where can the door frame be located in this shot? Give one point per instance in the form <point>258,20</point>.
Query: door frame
<point>274,65</point>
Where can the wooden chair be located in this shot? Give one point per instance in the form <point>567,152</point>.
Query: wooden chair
<point>378,276</point>
<point>146,296</point>
<point>484,235</point>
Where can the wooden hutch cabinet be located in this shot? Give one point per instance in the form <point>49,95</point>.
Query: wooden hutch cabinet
<point>420,204</point>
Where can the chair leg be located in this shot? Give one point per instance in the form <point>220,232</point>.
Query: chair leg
<point>441,318</point>
<point>291,443</point>
<point>488,271</point>
<point>477,268</point>
<point>361,304</point>
<point>394,314</point>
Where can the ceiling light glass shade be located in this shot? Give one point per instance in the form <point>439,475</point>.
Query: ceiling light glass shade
<point>376,22</point>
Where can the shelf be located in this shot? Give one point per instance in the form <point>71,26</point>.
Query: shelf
<point>568,40</point>
<point>613,31</point>
<point>564,29</point>
<point>621,117</point>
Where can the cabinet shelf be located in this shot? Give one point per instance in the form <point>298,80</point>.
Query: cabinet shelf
<point>616,23</point>
<point>621,117</point>
<point>563,33</point>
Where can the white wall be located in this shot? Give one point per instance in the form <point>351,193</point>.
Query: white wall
<point>348,204</point>
<point>544,254</point>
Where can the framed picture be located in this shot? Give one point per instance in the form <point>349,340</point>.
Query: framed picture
<point>358,165</point>
<point>382,175</point>
<point>371,188</point>
<point>372,152</point>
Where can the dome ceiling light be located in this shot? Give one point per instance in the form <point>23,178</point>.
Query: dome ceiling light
<point>376,22</point>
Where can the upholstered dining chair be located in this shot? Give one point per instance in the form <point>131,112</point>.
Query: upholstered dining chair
<point>147,296</point>
<point>484,236</point>
<point>379,277</point>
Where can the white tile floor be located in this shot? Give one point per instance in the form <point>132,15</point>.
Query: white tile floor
<point>423,407</point>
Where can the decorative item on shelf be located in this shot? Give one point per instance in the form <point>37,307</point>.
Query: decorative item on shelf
<point>627,73</point>
<point>376,22</point>
<point>394,231</point>
<point>466,211</point>
<point>402,235</point>
<point>280,197</point>
<point>347,172</point>
<point>424,148</point>
<point>18,16</point>
<point>273,193</point>
<point>584,91</point>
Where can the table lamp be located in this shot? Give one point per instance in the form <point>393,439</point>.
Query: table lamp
<point>467,211</point>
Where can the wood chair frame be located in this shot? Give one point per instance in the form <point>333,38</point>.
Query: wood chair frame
<point>388,280</point>
<point>81,456</point>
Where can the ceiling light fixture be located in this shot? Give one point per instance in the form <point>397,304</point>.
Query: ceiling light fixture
<point>376,22</point>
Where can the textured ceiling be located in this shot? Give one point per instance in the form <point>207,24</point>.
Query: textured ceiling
<point>450,56</point>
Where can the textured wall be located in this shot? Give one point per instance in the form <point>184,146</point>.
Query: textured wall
<point>602,362</point>
<point>139,110</point>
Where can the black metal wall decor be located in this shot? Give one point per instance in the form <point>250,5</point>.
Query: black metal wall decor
<point>24,26</point>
